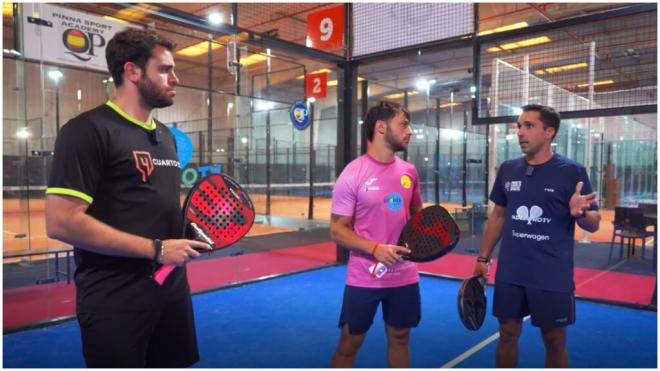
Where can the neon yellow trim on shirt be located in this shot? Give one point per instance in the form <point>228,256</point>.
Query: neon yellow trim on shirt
<point>149,126</point>
<point>69,192</point>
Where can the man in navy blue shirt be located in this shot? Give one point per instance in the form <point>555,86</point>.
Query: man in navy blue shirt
<point>538,198</point>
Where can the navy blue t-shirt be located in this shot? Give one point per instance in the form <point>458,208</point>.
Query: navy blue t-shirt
<point>538,233</point>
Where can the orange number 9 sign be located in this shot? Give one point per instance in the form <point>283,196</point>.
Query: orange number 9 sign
<point>325,28</point>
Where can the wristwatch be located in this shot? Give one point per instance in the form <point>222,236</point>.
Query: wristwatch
<point>483,260</point>
<point>158,247</point>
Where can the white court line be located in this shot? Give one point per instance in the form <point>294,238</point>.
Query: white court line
<point>474,349</point>
<point>600,274</point>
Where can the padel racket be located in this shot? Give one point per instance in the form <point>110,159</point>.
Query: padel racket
<point>429,234</point>
<point>216,211</point>
<point>472,302</point>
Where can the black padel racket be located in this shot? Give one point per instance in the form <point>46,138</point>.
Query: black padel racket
<point>472,302</point>
<point>217,211</point>
<point>429,235</point>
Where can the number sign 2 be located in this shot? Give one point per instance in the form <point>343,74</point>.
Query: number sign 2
<point>325,28</point>
<point>316,85</point>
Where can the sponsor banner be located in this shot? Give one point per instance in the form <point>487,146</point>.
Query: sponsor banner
<point>192,174</point>
<point>299,115</point>
<point>65,36</point>
<point>184,145</point>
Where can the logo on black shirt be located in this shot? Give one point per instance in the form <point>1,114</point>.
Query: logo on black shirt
<point>143,163</point>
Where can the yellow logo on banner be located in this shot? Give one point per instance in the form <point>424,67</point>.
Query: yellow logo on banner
<point>405,181</point>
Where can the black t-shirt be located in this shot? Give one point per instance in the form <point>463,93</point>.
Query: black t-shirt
<point>131,178</point>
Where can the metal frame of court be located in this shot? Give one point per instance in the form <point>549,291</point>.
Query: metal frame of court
<point>347,102</point>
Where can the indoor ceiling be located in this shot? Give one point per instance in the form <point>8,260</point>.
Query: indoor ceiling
<point>626,55</point>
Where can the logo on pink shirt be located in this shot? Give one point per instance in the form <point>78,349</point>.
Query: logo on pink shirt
<point>394,201</point>
<point>369,185</point>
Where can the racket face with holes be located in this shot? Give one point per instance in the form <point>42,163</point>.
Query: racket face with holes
<point>472,303</point>
<point>430,234</point>
<point>219,209</point>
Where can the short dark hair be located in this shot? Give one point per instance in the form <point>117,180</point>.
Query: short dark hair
<point>549,117</point>
<point>132,45</point>
<point>384,111</point>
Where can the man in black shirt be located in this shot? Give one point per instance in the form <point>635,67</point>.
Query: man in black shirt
<point>113,194</point>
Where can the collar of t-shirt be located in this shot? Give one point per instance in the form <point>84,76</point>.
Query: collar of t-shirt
<point>151,125</point>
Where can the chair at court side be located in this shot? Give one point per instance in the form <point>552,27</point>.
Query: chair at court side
<point>629,223</point>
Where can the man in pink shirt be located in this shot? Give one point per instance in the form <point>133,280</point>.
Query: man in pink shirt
<point>372,200</point>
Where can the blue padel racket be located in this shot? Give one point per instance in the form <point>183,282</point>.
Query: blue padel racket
<point>217,211</point>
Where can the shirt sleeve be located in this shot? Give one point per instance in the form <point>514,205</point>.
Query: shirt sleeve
<point>78,161</point>
<point>344,194</point>
<point>497,194</point>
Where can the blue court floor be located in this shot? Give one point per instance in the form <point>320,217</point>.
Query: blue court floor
<point>292,322</point>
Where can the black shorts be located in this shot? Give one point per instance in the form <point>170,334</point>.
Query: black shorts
<point>548,309</point>
<point>161,338</point>
<point>401,307</point>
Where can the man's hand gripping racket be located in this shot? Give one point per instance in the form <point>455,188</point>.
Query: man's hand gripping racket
<point>429,234</point>
<point>217,211</point>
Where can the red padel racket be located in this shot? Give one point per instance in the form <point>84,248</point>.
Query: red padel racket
<point>472,302</point>
<point>217,211</point>
<point>429,234</point>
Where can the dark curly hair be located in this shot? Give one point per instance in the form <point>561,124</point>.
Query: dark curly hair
<point>132,45</point>
<point>383,111</point>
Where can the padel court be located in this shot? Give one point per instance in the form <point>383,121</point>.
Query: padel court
<point>462,70</point>
<point>267,302</point>
<point>291,321</point>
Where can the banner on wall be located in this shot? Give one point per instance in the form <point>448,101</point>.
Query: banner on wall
<point>65,36</point>
<point>316,85</point>
<point>300,116</point>
<point>184,146</point>
<point>325,28</point>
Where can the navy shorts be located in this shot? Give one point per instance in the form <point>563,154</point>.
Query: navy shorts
<point>548,309</point>
<point>401,307</point>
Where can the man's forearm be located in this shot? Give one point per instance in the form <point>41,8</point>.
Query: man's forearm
<point>347,237</point>
<point>590,222</point>
<point>90,234</point>
<point>491,236</point>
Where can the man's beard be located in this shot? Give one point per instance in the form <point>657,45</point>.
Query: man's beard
<point>152,96</point>
<point>392,142</point>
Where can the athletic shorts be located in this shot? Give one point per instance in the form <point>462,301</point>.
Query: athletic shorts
<point>401,307</point>
<point>548,309</point>
<point>165,338</point>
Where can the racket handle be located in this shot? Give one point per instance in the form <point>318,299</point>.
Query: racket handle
<point>161,273</point>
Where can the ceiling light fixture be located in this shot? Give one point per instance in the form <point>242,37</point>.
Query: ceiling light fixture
<point>509,27</point>
<point>215,18</point>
